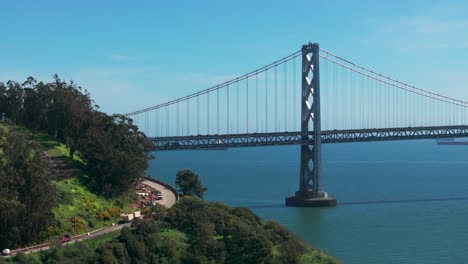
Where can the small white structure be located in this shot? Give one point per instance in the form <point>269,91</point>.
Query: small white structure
<point>137,214</point>
<point>127,217</point>
<point>6,252</point>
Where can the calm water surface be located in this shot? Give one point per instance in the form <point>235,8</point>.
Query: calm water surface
<point>399,202</point>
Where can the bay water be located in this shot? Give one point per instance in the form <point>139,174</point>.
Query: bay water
<point>398,202</point>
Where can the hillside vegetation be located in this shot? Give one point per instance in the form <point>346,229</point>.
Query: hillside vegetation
<point>65,166</point>
<point>78,209</point>
<point>192,231</point>
<point>26,194</point>
<point>114,152</point>
<point>69,206</point>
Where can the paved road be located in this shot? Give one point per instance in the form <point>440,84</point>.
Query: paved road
<point>169,198</point>
<point>77,238</point>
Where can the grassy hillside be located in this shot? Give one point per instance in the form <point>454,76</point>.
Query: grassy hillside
<point>78,210</point>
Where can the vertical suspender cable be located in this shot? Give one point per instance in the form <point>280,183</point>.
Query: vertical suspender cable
<point>285,96</point>
<point>146,122</point>
<point>256,103</point>
<point>237,106</point>
<point>276,100</point>
<point>208,113</point>
<point>227,110</point>
<point>188,117</point>
<point>217,110</point>
<point>137,121</point>
<point>247,105</point>
<point>167,121</point>
<point>346,95</point>
<point>343,97</point>
<point>335,95</point>
<point>328,95</point>
<point>177,119</point>
<point>198,115</point>
<point>295,106</point>
<point>369,96</point>
<point>266,101</point>
<point>156,125</point>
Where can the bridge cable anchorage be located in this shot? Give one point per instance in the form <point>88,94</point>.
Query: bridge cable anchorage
<point>388,78</point>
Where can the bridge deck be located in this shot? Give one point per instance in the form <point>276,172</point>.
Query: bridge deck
<point>298,138</point>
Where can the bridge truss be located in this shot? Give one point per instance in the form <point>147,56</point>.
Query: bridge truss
<point>203,142</point>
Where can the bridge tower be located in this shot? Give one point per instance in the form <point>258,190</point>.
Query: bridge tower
<point>310,193</point>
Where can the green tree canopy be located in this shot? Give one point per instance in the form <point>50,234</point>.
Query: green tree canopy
<point>115,152</point>
<point>26,194</point>
<point>190,184</point>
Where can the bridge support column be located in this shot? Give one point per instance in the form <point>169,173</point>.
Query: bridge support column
<point>310,193</point>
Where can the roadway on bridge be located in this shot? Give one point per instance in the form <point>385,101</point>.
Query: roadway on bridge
<point>301,138</point>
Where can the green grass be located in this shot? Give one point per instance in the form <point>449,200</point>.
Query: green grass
<point>51,146</point>
<point>78,210</point>
<point>275,252</point>
<point>96,242</point>
<point>174,235</point>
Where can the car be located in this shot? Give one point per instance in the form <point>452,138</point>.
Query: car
<point>159,198</point>
<point>66,238</point>
<point>6,252</point>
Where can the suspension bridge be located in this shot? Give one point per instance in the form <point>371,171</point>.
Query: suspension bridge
<point>307,98</point>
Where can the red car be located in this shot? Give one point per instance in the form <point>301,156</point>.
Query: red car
<point>66,238</point>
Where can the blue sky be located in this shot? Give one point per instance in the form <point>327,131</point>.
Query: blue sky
<point>133,54</point>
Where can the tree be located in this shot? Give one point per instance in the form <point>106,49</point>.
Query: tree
<point>189,183</point>
<point>14,101</point>
<point>115,152</point>
<point>26,193</point>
